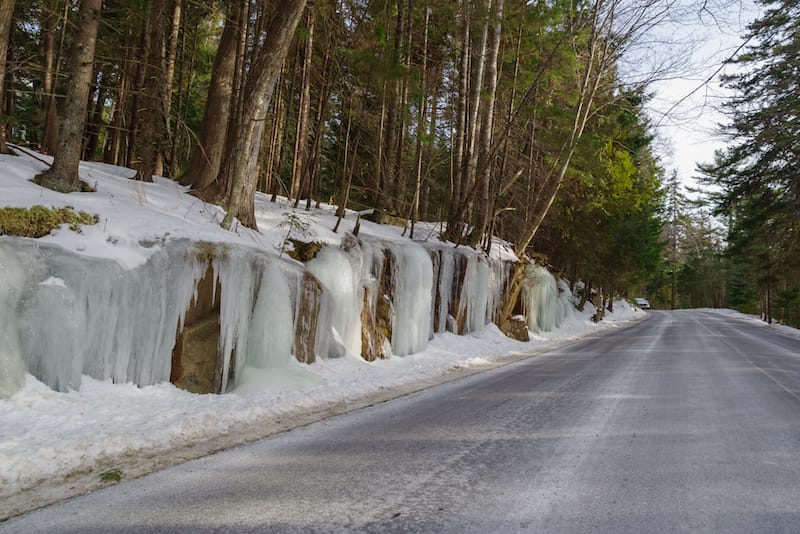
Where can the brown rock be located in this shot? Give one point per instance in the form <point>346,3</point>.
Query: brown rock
<point>307,317</point>
<point>516,328</point>
<point>196,358</point>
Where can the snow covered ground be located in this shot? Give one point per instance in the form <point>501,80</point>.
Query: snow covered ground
<point>53,444</point>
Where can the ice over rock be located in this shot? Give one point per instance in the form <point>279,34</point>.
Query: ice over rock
<point>65,315</point>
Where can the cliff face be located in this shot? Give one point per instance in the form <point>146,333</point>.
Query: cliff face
<point>202,316</point>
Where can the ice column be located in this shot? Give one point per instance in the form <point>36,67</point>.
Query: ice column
<point>411,328</point>
<point>541,299</point>
<point>12,278</point>
<point>271,329</point>
<point>340,274</point>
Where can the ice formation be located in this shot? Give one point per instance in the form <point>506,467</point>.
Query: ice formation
<point>270,332</point>
<point>112,324</point>
<point>546,306</point>
<point>117,324</point>
<point>411,329</point>
<point>340,273</point>
<point>12,370</point>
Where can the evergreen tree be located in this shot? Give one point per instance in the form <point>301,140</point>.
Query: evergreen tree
<point>6,10</point>
<point>63,173</point>
<point>757,178</point>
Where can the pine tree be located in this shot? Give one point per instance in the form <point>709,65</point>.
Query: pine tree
<point>757,178</point>
<point>63,174</point>
<point>6,11</point>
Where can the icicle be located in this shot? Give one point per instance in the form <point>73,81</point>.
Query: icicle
<point>271,328</point>
<point>117,324</point>
<point>541,299</point>
<point>12,279</point>
<point>237,280</point>
<point>412,299</point>
<point>340,274</point>
<point>474,294</point>
<point>498,275</point>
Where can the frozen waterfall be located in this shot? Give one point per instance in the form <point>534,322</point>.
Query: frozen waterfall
<point>64,315</point>
<point>546,305</point>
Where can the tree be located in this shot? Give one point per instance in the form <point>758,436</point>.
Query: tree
<point>6,11</point>
<point>756,177</point>
<point>63,173</point>
<point>264,71</point>
<point>204,166</point>
<point>154,125</point>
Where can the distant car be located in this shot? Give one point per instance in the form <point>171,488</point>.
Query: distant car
<point>642,303</point>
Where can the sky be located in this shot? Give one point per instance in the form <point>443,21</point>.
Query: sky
<point>685,108</point>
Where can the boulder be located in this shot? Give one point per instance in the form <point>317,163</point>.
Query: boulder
<point>516,327</point>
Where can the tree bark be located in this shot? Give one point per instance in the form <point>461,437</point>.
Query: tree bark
<point>299,163</point>
<point>169,76</point>
<point>421,117</point>
<point>207,158</point>
<point>154,123</point>
<point>96,120</point>
<point>487,123</point>
<point>114,144</point>
<point>48,21</point>
<point>134,116</point>
<point>6,11</point>
<point>462,108</point>
<point>261,78</point>
<point>63,174</point>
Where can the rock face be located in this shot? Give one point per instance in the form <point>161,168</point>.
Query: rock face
<point>196,359</point>
<point>377,313</point>
<point>306,321</point>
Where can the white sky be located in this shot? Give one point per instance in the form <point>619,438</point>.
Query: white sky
<point>687,134</point>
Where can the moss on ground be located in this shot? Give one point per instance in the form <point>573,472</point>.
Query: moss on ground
<point>39,221</point>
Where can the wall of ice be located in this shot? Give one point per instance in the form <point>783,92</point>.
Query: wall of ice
<point>63,315</point>
<point>547,302</point>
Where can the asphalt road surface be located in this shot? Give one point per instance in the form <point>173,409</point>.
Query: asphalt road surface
<point>686,422</point>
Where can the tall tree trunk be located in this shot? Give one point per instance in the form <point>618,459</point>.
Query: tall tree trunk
<point>426,183</point>
<point>487,123</point>
<point>276,132</point>
<point>301,139</point>
<point>169,77</point>
<point>421,117</point>
<point>319,124</point>
<point>6,11</point>
<point>462,108</point>
<point>469,162</point>
<point>49,74</point>
<point>63,174</point>
<point>153,125</point>
<point>205,164</point>
<point>386,192</point>
<point>134,115</point>
<point>398,178</point>
<point>262,75</point>
<point>347,177</point>
<point>96,120</point>
<point>115,140</point>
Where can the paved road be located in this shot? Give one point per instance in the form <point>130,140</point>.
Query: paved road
<point>686,422</point>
